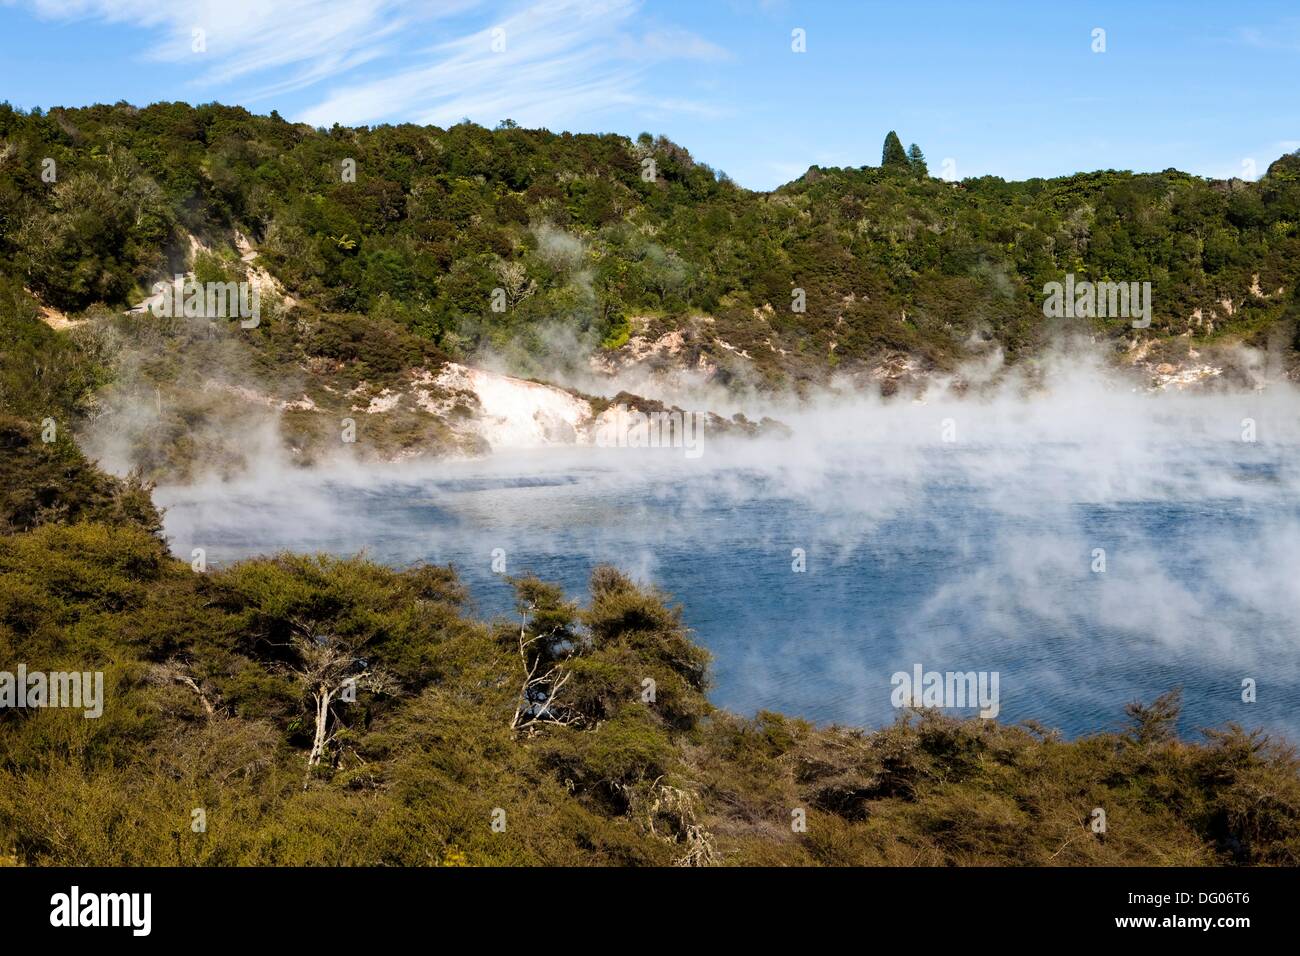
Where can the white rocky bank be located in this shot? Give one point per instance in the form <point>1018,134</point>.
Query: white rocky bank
<point>516,413</point>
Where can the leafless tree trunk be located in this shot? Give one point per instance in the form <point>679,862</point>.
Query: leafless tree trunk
<point>175,671</point>
<point>322,695</point>
<point>534,708</point>
<point>326,667</point>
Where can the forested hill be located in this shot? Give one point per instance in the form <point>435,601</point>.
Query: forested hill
<point>606,235</point>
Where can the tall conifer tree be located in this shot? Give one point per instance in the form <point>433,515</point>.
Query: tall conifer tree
<point>893,153</point>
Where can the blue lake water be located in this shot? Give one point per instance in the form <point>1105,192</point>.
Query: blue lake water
<point>980,557</point>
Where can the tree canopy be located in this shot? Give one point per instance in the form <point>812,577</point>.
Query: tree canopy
<point>421,225</point>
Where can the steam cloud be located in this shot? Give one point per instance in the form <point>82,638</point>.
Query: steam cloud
<point>970,554</point>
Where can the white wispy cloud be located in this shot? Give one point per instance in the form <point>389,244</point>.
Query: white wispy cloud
<point>540,63</point>
<point>301,41</point>
<point>545,63</point>
<point>674,42</point>
<point>1284,35</point>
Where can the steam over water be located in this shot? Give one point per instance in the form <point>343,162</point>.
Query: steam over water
<point>971,555</point>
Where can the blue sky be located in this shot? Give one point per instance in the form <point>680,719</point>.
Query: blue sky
<point>1007,88</point>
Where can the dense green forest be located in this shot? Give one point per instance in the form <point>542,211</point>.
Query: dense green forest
<point>214,748</point>
<point>318,710</point>
<point>419,225</point>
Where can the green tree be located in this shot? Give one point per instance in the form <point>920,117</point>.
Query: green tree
<point>917,159</point>
<point>893,153</point>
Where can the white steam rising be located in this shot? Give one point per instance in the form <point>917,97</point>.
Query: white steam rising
<point>959,533</point>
